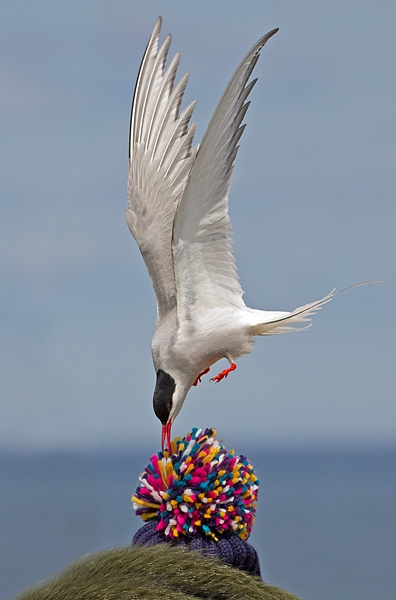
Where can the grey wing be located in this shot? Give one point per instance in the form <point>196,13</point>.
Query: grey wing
<point>160,160</point>
<point>205,269</point>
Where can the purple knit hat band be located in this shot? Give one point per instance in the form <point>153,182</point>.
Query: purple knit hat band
<point>230,548</point>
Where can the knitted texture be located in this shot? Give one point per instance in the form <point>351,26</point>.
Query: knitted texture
<point>230,549</point>
<point>201,497</point>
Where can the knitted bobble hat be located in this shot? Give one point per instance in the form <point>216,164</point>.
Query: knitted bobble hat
<point>200,497</point>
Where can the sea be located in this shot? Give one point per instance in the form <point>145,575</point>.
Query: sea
<point>325,526</point>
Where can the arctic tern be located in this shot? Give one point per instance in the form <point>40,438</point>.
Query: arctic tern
<point>178,214</point>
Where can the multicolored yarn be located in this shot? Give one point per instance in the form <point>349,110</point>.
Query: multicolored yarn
<point>200,487</point>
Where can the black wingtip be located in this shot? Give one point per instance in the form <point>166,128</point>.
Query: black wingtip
<point>263,40</point>
<point>269,35</point>
<point>155,33</point>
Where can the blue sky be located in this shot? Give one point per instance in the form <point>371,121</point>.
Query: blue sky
<point>312,204</point>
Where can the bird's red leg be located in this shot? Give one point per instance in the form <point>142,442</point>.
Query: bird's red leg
<point>224,373</point>
<point>198,379</point>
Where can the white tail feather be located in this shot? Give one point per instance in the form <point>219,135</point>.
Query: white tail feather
<point>286,322</point>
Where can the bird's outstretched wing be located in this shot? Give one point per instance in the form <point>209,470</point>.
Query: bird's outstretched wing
<point>205,269</point>
<point>160,159</point>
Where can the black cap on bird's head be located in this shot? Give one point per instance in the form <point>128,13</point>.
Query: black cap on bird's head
<point>162,402</point>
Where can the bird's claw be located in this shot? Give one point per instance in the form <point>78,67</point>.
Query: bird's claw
<point>198,379</point>
<point>224,373</point>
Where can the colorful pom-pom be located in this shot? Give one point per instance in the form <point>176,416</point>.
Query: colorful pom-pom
<point>198,487</point>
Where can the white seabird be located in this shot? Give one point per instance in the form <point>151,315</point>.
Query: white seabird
<point>178,214</point>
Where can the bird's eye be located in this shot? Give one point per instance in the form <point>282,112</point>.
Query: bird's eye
<point>163,394</point>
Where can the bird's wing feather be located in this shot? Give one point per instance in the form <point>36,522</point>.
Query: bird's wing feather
<point>160,159</point>
<point>205,269</point>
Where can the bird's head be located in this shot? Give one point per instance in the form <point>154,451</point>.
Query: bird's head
<point>169,395</point>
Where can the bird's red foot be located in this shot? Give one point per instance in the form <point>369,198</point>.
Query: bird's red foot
<point>224,373</point>
<point>198,379</point>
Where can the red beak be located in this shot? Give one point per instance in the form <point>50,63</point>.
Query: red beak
<point>166,437</point>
